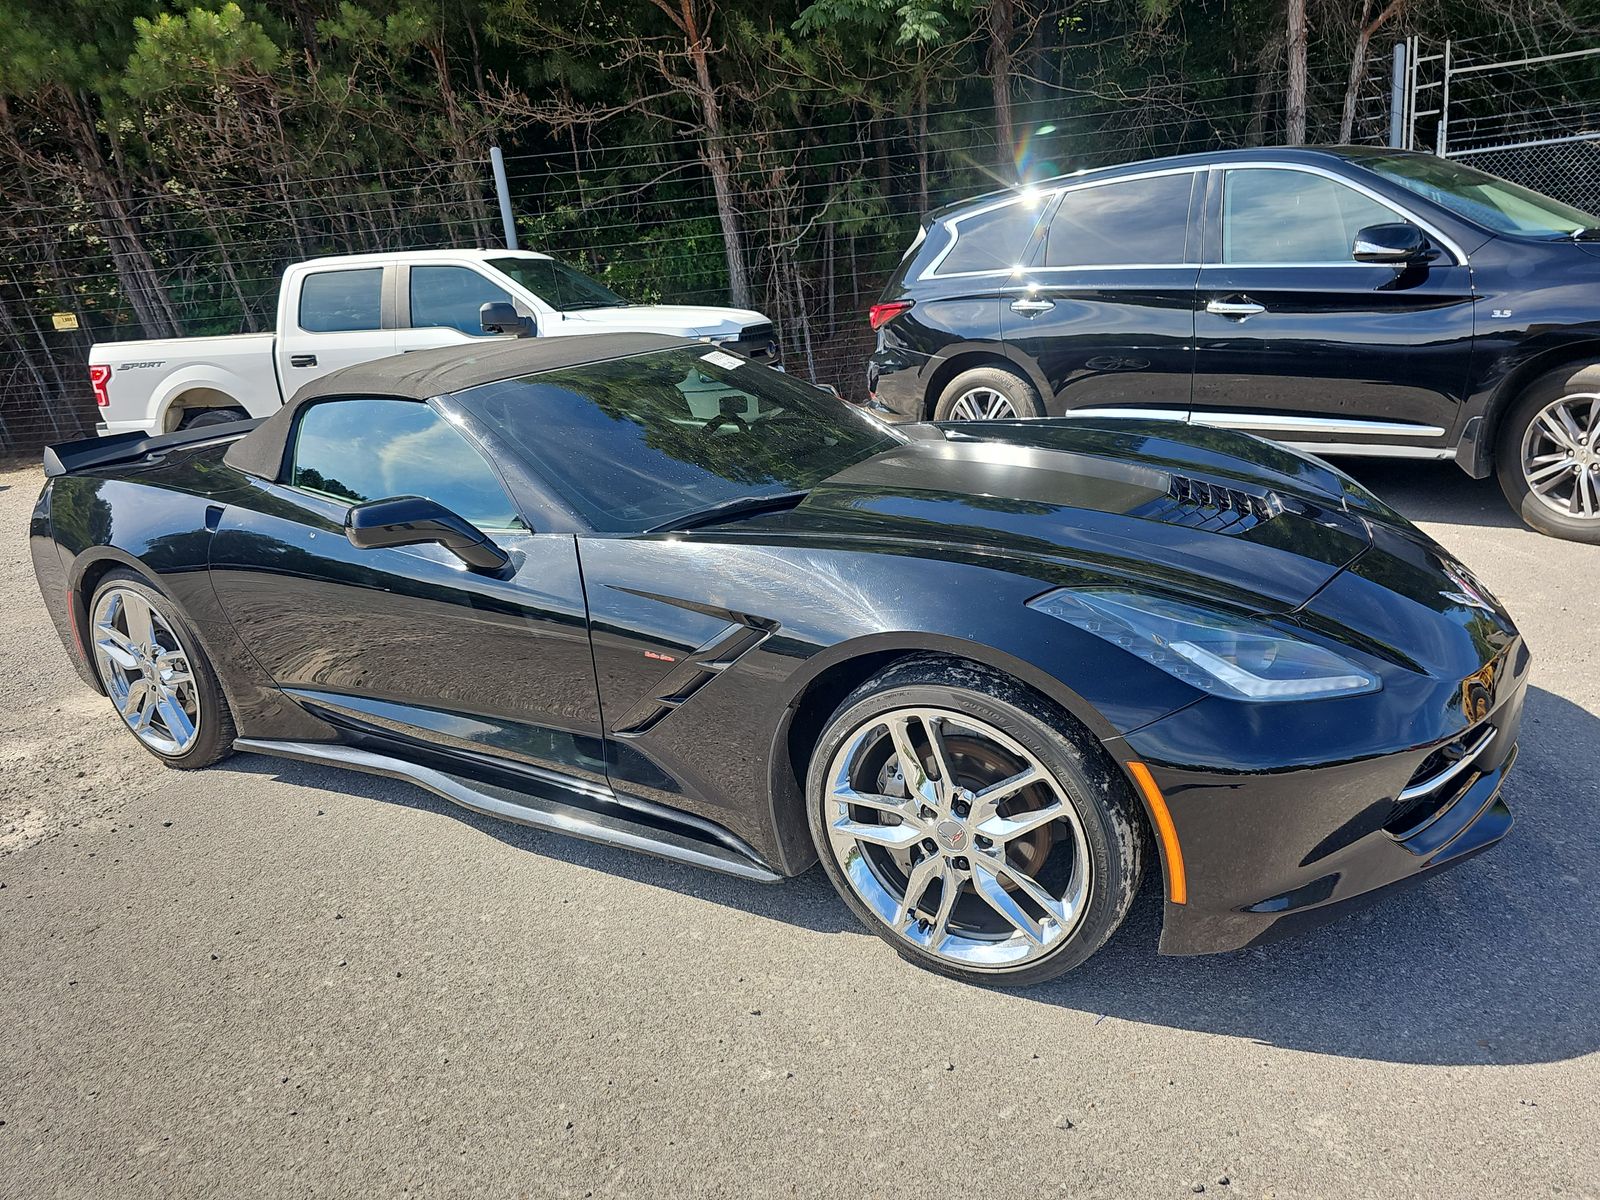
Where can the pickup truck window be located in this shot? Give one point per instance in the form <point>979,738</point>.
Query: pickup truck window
<point>449,298</point>
<point>342,301</point>
<point>1291,217</point>
<point>557,284</point>
<point>364,449</point>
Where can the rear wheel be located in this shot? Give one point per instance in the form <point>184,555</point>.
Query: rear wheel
<point>156,675</point>
<point>196,418</point>
<point>1547,458</point>
<point>975,830</point>
<point>988,394</point>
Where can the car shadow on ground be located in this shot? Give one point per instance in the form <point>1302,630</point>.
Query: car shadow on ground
<point>1433,491</point>
<point>1495,961</point>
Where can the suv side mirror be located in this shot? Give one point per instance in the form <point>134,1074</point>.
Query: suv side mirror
<point>1397,243</point>
<point>416,520</point>
<point>501,316</point>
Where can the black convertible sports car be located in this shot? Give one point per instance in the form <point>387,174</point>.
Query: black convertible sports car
<point>642,591</point>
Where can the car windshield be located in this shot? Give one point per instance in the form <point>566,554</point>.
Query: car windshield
<point>1488,200</point>
<point>557,284</point>
<point>641,442</point>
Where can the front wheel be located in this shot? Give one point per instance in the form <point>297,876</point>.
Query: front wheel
<point>974,829</point>
<point>1547,459</point>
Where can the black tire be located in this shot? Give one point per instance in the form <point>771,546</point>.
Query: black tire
<point>198,417</point>
<point>214,728</point>
<point>1577,388</point>
<point>1017,392</point>
<point>1106,814</point>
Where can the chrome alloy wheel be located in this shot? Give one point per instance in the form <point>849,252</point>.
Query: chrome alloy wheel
<point>1560,460</point>
<point>982,404</point>
<point>957,837</point>
<point>146,671</point>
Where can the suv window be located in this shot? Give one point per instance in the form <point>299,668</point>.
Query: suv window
<point>366,449</point>
<point>1272,216</point>
<point>1138,221</point>
<point>449,298</point>
<point>991,241</point>
<point>342,301</point>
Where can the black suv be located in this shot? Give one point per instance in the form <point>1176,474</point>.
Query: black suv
<point>1345,301</point>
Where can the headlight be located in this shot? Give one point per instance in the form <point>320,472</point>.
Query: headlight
<point>1215,652</point>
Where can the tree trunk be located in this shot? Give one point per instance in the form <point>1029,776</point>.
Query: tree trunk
<point>1295,105</point>
<point>1002,16</point>
<point>1358,63</point>
<point>715,154</point>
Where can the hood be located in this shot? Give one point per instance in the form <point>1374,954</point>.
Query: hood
<point>685,320</point>
<point>1155,502</point>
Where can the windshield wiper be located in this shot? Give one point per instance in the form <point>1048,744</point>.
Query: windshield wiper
<point>729,510</point>
<point>1589,233</point>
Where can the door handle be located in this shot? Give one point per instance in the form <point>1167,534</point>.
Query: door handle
<point>1235,308</point>
<point>302,360</point>
<point>1032,308</point>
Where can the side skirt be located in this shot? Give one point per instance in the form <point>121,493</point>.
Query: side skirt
<point>569,816</point>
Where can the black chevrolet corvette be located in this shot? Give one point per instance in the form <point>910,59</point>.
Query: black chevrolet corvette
<point>641,591</point>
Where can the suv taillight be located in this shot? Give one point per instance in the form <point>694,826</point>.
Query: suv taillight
<point>881,314</point>
<point>99,377</point>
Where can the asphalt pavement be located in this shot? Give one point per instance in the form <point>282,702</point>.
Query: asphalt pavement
<point>275,979</point>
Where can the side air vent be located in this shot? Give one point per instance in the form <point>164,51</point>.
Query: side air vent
<point>688,678</point>
<point>1214,507</point>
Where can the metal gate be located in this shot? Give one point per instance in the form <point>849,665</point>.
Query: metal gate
<point>1534,119</point>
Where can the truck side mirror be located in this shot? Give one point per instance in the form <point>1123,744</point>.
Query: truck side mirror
<point>501,316</point>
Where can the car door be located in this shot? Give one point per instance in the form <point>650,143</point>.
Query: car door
<point>1298,341</point>
<point>405,642</point>
<point>1106,311</point>
<point>336,318</point>
<point>439,304</point>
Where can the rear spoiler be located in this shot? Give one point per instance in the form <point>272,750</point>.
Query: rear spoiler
<point>68,458</point>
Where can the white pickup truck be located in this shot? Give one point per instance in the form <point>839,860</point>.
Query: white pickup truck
<point>333,312</point>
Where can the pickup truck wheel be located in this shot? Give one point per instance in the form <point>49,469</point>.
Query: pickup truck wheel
<point>988,394</point>
<point>1547,457</point>
<point>212,416</point>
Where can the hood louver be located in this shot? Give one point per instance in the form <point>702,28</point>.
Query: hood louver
<point>1213,507</point>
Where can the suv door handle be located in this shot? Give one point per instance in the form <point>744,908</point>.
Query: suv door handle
<point>1235,308</point>
<point>302,360</point>
<point>1032,308</point>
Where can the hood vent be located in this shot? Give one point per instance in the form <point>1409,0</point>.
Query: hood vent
<point>1213,507</point>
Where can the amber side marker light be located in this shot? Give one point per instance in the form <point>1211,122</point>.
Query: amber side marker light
<point>1177,885</point>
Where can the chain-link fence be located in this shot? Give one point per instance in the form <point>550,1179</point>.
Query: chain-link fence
<point>1568,169</point>
<point>824,213</point>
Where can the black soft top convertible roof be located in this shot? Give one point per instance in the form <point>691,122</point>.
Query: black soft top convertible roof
<point>424,374</point>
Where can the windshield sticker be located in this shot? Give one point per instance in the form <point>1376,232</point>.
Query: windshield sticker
<point>726,361</point>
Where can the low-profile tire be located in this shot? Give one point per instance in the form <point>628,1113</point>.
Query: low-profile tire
<point>156,675</point>
<point>200,417</point>
<point>988,394</point>
<point>1546,456</point>
<point>1009,888</point>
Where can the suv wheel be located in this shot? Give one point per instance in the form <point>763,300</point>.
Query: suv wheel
<point>976,830</point>
<point>988,394</point>
<point>1548,460</point>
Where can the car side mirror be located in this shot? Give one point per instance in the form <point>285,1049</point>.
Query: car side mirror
<point>1398,244</point>
<point>501,316</point>
<point>415,521</point>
